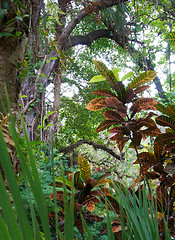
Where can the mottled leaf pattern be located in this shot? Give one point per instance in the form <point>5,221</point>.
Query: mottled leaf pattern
<point>113,115</point>
<point>165,121</point>
<point>120,89</point>
<point>144,104</point>
<point>96,104</point>
<point>142,79</point>
<point>84,168</point>
<point>170,111</point>
<point>90,206</point>
<point>170,38</point>
<point>113,102</point>
<point>169,147</point>
<point>103,182</point>
<point>105,72</point>
<point>160,142</point>
<point>106,124</point>
<point>160,108</point>
<point>141,89</point>
<point>129,95</point>
<point>103,92</point>
<point>147,158</point>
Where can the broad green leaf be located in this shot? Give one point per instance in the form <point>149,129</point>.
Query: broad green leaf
<point>43,75</point>
<point>22,96</point>
<point>53,58</point>
<point>97,78</point>
<point>62,179</point>
<point>116,71</point>
<point>143,78</point>
<point>128,75</point>
<point>50,113</point>
<point>84,168</point>
<point>105,72</point>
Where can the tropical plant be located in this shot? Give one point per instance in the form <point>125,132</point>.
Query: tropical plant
<point>85,195</point>
<point>123,103</point>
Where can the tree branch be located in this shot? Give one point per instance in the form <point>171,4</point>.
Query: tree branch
<point>95,7</point>
<point>71,147</point>
<point>87,39</point>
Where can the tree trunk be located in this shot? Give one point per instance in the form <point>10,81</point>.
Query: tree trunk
<point>12,50</point>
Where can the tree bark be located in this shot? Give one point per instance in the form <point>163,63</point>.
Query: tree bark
<point>12,50</point>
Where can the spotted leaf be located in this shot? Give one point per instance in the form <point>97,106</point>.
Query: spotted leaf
<point>96,104</point>
<point>143,78</point>
<point>84,168</point>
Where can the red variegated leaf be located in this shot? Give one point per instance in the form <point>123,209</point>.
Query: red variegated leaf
<point>129,95</point>
<point>143,78</point>
<point>136,139</point>
<point>169,147</point>
<point>106,191</point>
<point>150,132</point>
<point>113,115</point>
<point>162,140</point>
<point>148,122</point>
<point>166,122</point>
<point>103,182</point>
<point>105,72</point>
<point>106,124</point>
<point>113,102</point>
<point>144,104</point>
<point>141,89</point>
<point>103,176</point>
<point>103,92</point>
<point>120,89</point>
<point>120,140</point>
<point>96,104</point>
<point>116,229</point>
<point>118,137</point>
<point>147,158</point>
<point>170,111</point>
<point>90,206</point>
<point>123,130</point>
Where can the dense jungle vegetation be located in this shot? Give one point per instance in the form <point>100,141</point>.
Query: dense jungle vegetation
<point>87,119</point>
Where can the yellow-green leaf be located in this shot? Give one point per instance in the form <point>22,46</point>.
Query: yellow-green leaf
<point>84,168</point>
<point>143,78</point>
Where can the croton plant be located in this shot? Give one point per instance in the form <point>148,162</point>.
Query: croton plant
<point>122,105</point>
